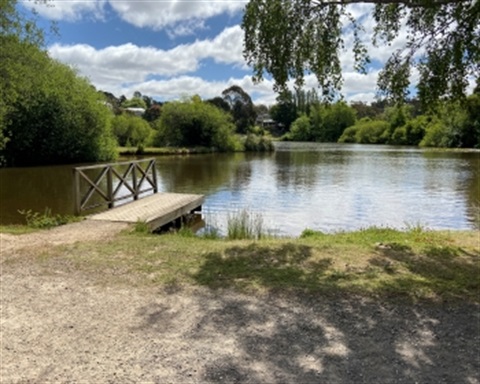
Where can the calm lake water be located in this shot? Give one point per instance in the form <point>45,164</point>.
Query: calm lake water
<point>326,187</point>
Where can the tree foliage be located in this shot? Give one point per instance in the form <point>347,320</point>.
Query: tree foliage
<point>241,107</point>
<point>59,117</point>
<point>131,130</point>
<point>291,38</point>
<point>194,123</point>
<point>47,113</point>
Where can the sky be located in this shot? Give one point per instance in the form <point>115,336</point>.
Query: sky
<point>169,49</point>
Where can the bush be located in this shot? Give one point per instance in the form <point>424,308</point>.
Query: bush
<point>195,123</point>
<point>349,135</point>
<point>300,129</point>
<point>412,132</point>
<point>436,135</point>
<point>366,132</point>
<point>256,143</point>
<point>58,117</point>
<point>47,219</point>
<point>131,130</point>
<point>330,121</point>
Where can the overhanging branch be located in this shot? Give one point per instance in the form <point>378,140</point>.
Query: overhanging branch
<point>406,3</point>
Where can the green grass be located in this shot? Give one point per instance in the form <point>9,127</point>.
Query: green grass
<point>16,229</point>
<point>130,151</point>
<point>378,262</point>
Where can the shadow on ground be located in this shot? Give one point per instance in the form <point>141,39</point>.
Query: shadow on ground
<point>234,338</point>
<point>451,272</point>
<point>286,266</point>
<point>291,337</point>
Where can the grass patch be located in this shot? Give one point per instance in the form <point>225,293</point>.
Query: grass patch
<point>378,262</point>
<point>15,229</point>
<point>147,151</point>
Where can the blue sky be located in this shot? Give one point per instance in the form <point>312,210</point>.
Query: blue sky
<point>168,49</point>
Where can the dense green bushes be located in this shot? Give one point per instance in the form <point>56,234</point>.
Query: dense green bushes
<point>366,131</point>
<point>131,130</point>
<point>324,123</point>
<point>51,115</point>
<point>195,123</point>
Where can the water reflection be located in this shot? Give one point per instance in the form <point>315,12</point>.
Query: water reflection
<point>35,188</point>
<point>321,186</point>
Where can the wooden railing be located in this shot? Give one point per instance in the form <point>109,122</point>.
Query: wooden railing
<point>108,183</point>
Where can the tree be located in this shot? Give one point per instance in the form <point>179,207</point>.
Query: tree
<point>59,119</point>
<point>241,107</point>
<point>153,113</point>
<point>364,110</point>
<point>131,130</point>
<point>219,102</point>
<point>47,113</point>
<point>301,129</point>
<point>289,38</point>
<point>134,102</point>
<point>15,30</point>
<point>194,123</point>
<point>335,119</point>
<point>285,111</point>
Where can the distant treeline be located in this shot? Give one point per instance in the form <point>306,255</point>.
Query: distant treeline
<point>455,124</point>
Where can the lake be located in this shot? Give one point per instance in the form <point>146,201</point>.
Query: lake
<point>326,187</point>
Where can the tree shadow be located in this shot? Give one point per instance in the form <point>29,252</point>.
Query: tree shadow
<point>220,335</point>
<point>289,265</point>
<point>306,338</point>
<point>451,272</point>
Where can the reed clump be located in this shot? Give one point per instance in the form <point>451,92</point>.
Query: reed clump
<point>243,225</point>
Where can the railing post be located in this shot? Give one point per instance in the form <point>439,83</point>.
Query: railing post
<point>76,191</point>
<point>136,188</point>
<point>154,176</point>
<point>110,187</point>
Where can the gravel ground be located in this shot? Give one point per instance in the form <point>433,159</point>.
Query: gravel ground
<point>65,329</point>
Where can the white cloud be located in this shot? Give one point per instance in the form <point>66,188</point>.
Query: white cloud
<point>71,10</point>
<point>175,88</point>
<point>129,63</point>
<point>170,73</point>
<point>179,17</point>
<point>367,97</point>
<point>127,68</point>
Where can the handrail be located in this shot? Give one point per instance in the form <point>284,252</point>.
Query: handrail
<point>133,178</point>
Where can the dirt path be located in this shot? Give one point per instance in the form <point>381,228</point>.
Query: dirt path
<point>85,230</point>
<point>63,328</point>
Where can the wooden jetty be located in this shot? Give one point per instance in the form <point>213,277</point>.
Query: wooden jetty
<point>109,184</point>
<point>154,210</point>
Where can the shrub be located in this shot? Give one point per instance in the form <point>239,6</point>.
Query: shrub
<point>366,132</point>
<point>336,118</point>
<point>412,132</point>
<point>194,123</point>
<point>132,130</point>
<point>349,135</point>
<point>59,118</point>
<point>256,143</point>
<point>436,135</point>
<point>47,219</point>
<point>300,129</point>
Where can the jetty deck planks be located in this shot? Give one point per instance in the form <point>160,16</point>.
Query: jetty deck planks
<point>155,210</point>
